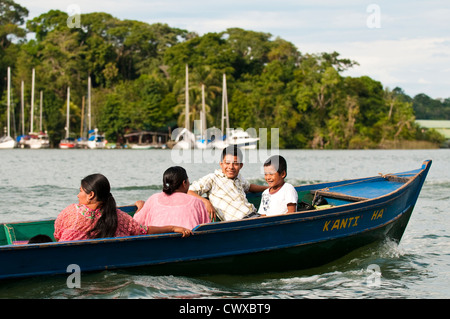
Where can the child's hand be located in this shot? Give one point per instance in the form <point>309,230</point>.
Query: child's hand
<point>139,204</point>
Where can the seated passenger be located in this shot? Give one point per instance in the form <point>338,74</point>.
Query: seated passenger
<point>226,188</point>
<point>96,216</point>
<point>280,197</point>
<point>173,206</point>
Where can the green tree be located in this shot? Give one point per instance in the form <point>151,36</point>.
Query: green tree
<point>63,63</point>
<point>318,94</point>
<point>427,108</point>
<point>143,104</point>
<point>12,16</point>
<point>251,49</point>
<point>54,20</point>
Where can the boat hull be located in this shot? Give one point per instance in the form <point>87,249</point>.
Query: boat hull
<point>267,244</point>
<point>7,143</point>
<point>66,146</point>
<point>300,257</point>
<point>142,147</point>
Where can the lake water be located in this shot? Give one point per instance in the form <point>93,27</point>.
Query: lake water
<point>36,184</point>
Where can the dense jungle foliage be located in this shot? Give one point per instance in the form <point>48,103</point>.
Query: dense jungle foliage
<point>138,82</point>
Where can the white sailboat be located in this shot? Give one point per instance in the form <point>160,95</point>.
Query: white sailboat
<point>35,140</point>
<point>6,141</point>
<point>185,139</point>
<point>67,142</point>
<point>39,140</point>
<point>197,139</point>
<point>202,141</point>
<point>96,140</point>
<point>221,143</point>
<point>237,137</point>
<point>82,142</point>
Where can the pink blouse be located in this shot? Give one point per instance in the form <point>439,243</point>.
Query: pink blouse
<point>178,209</point>
<point>76,221</point>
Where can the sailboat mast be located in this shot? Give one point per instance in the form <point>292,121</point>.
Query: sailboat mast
<point>22,106</point>
<point>68,110</point>
<point>40,112</point>
<point>82,116</point>
<point>224,104</point>
<point>186,119</point>
<point>89,104</point>
<point>203,113</point>
<point>32,101</point>
<point>9,101</point>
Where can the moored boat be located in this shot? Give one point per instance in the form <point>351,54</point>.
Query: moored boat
<point>356,213</point>
<point>237,137</point>
<point>6,141</point>
<point>145,140</point>
<point>184,139</point>
<point>35,140</point>
<point>67,143</point>
<point>95,140</point>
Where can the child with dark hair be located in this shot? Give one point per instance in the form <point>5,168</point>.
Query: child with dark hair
<point>226,188</point>
<point>39,239</point>
<point>172,206</point>
<point>280,197</point>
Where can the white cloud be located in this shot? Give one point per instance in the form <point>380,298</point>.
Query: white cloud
<point>423,81</point>
<point>407,63</point>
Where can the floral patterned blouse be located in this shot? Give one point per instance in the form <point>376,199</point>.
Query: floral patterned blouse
<point>76,221</point>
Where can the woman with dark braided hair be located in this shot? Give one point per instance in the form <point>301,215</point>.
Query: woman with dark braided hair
<point>173,205</point>
<point>96,216</point>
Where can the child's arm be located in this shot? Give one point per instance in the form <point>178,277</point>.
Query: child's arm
<point>292,199</point>
<point>257,188</point>
<point>291,207</point>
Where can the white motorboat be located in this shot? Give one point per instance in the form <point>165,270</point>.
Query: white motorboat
<point>239,138</point>
<point>242,139</point>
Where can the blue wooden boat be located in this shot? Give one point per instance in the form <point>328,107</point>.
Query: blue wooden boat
<point>357,213</point>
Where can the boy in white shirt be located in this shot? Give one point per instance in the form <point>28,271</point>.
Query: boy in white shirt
<point>280,197</point>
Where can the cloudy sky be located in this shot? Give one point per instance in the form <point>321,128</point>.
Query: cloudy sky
<point>398,42</point>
